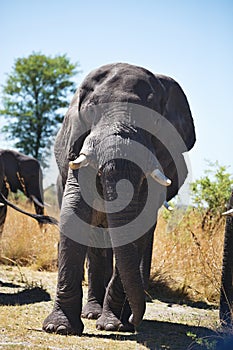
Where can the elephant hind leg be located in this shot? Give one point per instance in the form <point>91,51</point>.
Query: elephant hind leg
<point>100,268</point>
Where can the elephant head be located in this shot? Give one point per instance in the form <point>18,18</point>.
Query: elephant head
<point>124,123</point>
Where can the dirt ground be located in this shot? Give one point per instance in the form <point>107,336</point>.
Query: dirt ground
<point>26,298</point>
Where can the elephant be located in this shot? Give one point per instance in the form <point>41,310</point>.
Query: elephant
<point>226,291</point>
<point>120,156</point>
<point>20,172</point>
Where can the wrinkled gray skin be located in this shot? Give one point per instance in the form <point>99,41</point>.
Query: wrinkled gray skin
<point>100,269</point>
<point>226,294</point>
<point>20,172</point>
<point>124,299</point>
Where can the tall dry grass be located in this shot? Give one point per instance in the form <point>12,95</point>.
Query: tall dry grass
<point>23,242</point>
<point>186,257</point>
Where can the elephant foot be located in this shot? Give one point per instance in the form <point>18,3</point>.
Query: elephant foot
<point>92,310</point>
<point>110,322</point>
<point>64,323</point>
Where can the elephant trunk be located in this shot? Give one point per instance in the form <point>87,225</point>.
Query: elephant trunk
<point>127,262</point>
<point>127,248</point>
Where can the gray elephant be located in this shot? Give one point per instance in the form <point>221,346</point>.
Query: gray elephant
<point>226,292</point>
<point>120,156</point>
<point>20,172</point>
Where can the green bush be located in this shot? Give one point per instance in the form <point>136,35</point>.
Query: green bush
<point>212,192</point>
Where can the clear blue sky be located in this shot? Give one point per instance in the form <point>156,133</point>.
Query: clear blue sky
<point>191,41</point>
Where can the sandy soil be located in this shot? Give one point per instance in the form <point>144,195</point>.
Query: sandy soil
<point>26,297</point>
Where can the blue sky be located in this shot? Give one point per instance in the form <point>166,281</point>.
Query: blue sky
<point>191,41</point>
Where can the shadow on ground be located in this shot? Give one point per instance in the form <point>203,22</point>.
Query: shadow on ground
<point>26,296</point>
<point>155,335</point>
<point>9,284</point>
<point>160,289</point>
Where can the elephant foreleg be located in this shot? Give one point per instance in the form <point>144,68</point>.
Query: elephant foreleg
<point>65,317</point>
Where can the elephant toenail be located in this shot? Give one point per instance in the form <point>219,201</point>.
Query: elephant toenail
<point>90,316</point>
<point>110,327</point>
<point>98,326</point>
<point>49,328</point>
<point>62,330</point>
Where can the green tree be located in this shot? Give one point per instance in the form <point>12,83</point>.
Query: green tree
<point>35,92</point>
<point>212,192</point>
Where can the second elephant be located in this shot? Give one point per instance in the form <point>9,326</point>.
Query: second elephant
<point>20,172</point>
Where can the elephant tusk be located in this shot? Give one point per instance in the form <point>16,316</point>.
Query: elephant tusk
<point>80,162</point>
<point>36,201</point>
<point>160,178</point>
<point>167,206</point>
<point>2,204</point>
<point>228,213</point>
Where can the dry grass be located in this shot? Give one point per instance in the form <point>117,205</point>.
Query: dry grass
<point>186,265</point>
<point>186,258</point>
<point>189,257</point>
<point>25,243</point>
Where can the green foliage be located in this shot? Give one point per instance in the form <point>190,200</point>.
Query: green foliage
<point>34,93</point>
<point>206,343</point>
<point>212,192</point>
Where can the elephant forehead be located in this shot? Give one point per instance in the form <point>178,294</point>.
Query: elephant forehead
<point>120,83</point>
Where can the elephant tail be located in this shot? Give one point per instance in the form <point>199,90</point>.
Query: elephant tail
<point>42,219</point>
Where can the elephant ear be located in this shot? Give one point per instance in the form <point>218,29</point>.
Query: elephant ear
<point>176,110</point>
<point>70,137</point>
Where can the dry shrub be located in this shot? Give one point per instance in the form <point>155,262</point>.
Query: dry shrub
<point>25,243</point>
<point>188,257</point>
